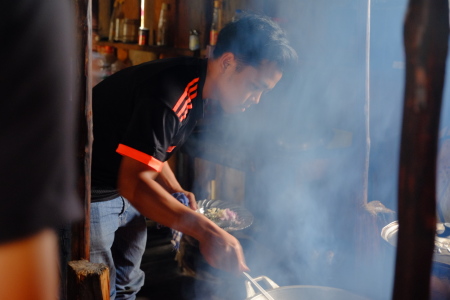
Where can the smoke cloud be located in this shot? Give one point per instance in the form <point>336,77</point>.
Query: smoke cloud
<point>306,142</point>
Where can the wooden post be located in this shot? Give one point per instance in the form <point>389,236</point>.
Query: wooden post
<point>85,280</point>
<point>88,281</point>
<point>80,231</point>
<point>426,41</point>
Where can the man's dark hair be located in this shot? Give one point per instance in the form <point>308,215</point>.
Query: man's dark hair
<point>254,38</point>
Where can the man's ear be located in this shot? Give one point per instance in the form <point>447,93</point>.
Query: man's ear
<point>227,60</point>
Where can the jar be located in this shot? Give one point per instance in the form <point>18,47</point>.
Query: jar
<point>130,31</point>
<point>194,41</point>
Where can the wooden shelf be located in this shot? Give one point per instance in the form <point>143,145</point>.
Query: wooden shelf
<point>150,48</point>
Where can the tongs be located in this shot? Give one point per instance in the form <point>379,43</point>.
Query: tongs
<point>263,291</point>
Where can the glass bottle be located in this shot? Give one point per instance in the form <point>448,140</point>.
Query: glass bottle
<point>214,32</point>
<point>163,26</point>
<point>117,20</point>
<point>112,21</point>
<point>144,32</point>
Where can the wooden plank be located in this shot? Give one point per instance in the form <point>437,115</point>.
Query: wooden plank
<point>426,33</point>
<point>192,14</point>
<point>132,9</point>
<point>87,281</point>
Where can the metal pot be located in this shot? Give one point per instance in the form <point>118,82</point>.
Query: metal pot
<point>299,292</point>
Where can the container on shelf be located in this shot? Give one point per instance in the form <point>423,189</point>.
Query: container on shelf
<point>130,31</point>
<point>214,31</point>
<point>162,35</point>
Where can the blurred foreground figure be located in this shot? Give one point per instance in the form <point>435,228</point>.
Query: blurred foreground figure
<point>37,155</point>
<point>142,115</point>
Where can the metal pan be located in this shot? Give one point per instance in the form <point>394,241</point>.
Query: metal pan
<point>299,292</point>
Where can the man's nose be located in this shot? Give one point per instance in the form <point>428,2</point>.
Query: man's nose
<point>256,98</point>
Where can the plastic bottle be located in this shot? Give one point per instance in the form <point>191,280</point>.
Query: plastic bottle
<point>214,32</point>
<point>101,67</point>
<point>237,15</point>
<point>194,41</point>
<point>163,26</point>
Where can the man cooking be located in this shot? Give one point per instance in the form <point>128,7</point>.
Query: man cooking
<point>142,114</point>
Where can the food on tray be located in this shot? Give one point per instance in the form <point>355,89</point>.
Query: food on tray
<point>219,214</point>
<point>226,214</point>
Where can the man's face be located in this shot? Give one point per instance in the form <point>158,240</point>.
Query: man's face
<point>242,86</point>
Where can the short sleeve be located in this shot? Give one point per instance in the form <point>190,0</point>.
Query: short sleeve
<point>150,134</point>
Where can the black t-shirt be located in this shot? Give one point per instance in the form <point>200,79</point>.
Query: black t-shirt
<point>143,112</point>
<point>37,152</point>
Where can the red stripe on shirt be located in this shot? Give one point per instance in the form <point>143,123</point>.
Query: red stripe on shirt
<point>184,103</point>
<point>170,149</point>
<point>141,157</point>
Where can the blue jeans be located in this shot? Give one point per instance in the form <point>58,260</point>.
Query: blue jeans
<point>118,239</point>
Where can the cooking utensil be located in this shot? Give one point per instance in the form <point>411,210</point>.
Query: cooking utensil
<point>299,292</point>
<point>258,286</point>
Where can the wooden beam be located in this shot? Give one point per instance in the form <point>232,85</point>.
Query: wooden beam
<point>88,281</point>
<point>426,32</point>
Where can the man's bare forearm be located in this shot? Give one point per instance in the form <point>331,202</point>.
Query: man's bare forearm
<point>138,184</point>
<point>167,180</point>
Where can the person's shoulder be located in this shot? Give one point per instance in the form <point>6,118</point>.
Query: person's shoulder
<point>177,72</point>
<point>148,74</point>
<point>172,62</point>
<point>183,65</point>
<point>180,78</point>
<point>162,70</point>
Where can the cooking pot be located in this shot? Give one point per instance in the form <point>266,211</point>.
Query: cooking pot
<point>441,241</point>
<point>299,292</point>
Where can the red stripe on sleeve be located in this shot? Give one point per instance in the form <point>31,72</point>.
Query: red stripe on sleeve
<point>141,157</point>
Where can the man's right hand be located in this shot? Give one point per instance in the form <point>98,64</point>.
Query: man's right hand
<point>223,251</point>
<point>219,248</point>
